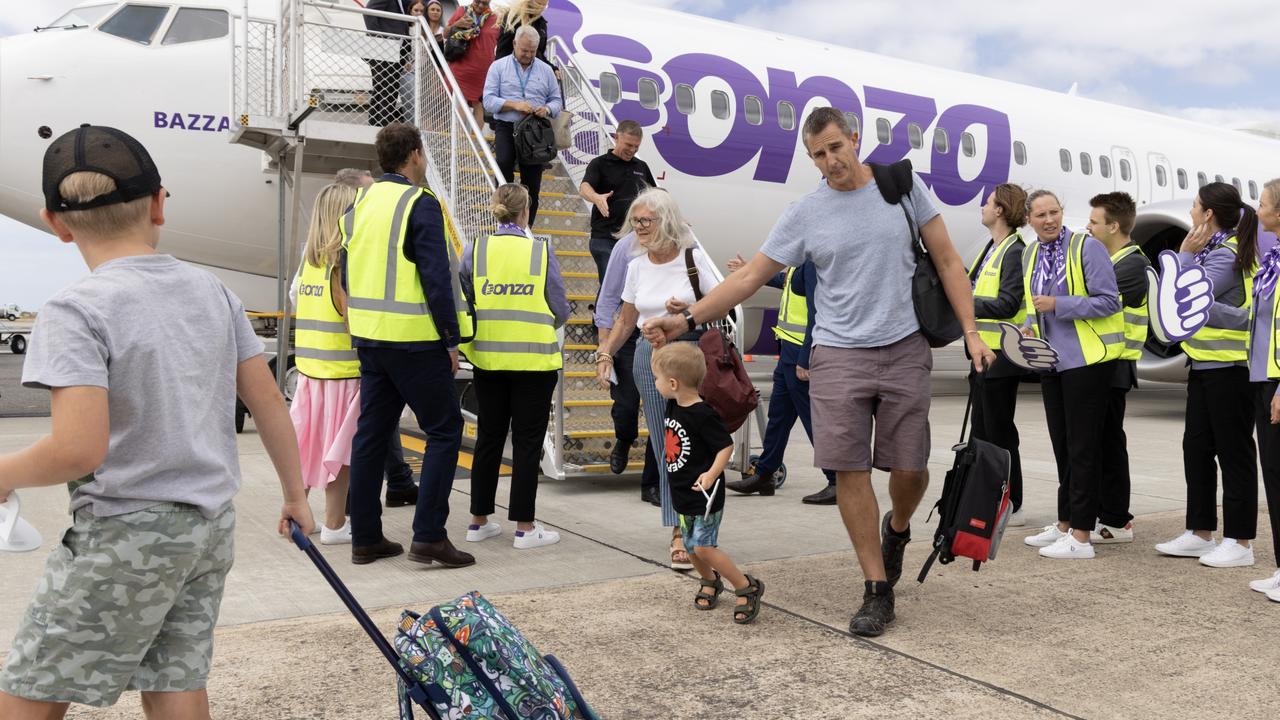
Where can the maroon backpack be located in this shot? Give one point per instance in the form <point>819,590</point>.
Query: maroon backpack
<point>726,387</point>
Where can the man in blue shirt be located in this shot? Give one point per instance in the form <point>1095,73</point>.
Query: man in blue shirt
<point>515,87</point>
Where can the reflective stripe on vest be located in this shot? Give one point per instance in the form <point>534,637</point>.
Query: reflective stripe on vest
<point>323,345</point>
<point>987,287</point>
<point>385,297</point>
<point>1101,339</point>
<point>1213,344</point>
<point>1135,318</point>
<point>1273,351</point>
<point>793,314</point>
<point>515,328</point>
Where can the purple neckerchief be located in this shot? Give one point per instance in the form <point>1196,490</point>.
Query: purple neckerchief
<point>1052,266</point>
<point>510,229</point>
<point>1268,271</point>
<point>1215,242</point>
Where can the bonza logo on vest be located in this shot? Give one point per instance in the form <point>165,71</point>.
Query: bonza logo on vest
<point>489,288</point>
<point>307,290</point>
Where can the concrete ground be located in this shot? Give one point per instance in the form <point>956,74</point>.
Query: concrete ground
<point>1131,634</point>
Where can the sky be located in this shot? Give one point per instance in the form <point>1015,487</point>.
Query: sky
<point>1213,62</point>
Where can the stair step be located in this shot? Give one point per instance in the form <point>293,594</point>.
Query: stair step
<point>561,233</point>
<point>588,403</point>
<point>580,275</point>
<point>573,253</point>
<point>604,467</point>
<point>590,434</point>
<point>582,298</point>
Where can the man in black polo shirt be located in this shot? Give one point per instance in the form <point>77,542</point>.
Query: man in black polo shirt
<point>611,182</point>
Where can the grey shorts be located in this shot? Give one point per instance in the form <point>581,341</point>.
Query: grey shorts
<point>856,392</point>
<point>127,602</point>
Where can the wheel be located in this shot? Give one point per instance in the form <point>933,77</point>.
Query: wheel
<point>18,344</point>
<point>11,317</point>
<point>241,412</point>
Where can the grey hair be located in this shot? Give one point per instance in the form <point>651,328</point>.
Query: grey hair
<point>1037,194</point>
<point>351,177</point>
<point>671,231</point>
<point>529,32</point>
<point>820,118</point>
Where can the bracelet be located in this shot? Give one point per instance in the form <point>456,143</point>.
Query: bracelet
<point>601,356</point>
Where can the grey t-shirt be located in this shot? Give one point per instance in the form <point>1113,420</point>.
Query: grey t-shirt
<point>861,247</point>
<point>164,339</point>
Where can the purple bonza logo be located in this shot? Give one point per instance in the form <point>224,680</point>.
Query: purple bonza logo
<point>193,122</point>
<point>771,146</point>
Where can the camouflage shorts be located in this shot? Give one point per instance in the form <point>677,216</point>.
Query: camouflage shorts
<point>127,602</point>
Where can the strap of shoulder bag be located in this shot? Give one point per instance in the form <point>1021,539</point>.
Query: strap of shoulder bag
<point>692,269</point>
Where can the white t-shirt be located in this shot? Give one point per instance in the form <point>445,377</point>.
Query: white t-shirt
<point>649,285</point>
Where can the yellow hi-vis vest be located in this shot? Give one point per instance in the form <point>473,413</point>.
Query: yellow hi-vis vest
<point>1101,339</point>
<point>1135,318</point>
<point>385,300</point>
<point>986,276</point>
<point>1273,362</point>
<point>515,328</point>
<point>793,314</point>
<point>1212,344</point>
<point>322,343</point>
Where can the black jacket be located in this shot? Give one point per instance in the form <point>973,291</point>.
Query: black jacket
<point>387,25</point>
<point>507,41</point>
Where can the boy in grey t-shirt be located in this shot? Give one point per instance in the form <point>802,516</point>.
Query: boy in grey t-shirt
<point>143,431</point>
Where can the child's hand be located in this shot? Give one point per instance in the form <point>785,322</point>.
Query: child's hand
<point>706,481</point>
<point>300,512</point>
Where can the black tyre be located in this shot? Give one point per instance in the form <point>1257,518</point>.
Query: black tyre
<point>241,412</point>
<point>18,344</point>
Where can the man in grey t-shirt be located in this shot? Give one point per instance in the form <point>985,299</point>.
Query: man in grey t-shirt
<point>869,364</point>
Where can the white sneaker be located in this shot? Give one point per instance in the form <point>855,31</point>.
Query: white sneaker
<point>537,537</point>
<point>1068,548</point>
<point>1017,519</point>
<point>1188,544</point>
<point>1274,595</point>
<point>1266,586</point>
<point>1229,553</point>
<point>476,533</point>
<point>1106,535</point>
<point>1050,535</point>
<point>341,536</point>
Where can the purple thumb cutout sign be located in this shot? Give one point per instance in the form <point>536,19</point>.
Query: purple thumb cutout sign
<point>1029,353</point>
<point>1179,299</point>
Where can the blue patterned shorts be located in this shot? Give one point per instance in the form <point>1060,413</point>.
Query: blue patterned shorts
<point>698,531</point>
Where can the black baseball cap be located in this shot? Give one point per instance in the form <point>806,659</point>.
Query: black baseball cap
<point>100,149</point>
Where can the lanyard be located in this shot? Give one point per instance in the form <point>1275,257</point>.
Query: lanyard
<point>522,79</point>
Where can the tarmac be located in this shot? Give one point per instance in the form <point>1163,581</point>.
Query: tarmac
<point>1128,635</point>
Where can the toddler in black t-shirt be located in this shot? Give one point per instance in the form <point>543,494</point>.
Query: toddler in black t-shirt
<point>696,450</point>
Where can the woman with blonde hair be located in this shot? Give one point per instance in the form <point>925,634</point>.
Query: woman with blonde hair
<point>658,282</point>
<point>516,15</point>
<point>326,404</point>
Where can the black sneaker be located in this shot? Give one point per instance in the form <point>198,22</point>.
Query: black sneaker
<point>892,546</point>
<point>618,458</point>
<point>876,612</point>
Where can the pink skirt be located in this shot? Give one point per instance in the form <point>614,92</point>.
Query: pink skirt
<point>324,415</point>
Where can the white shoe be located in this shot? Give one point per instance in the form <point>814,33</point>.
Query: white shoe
<point>1106,535</point>
<point>1229,553</point>
<point>1050,535</point>
<point>1274,595</point>
<point>1017,519</point>
<point>476,533</point>
<point>1068,548</point>
<point>1188,544</point>
<point>1266,586</point>
<point>537,537</point>
<point>341,536</point>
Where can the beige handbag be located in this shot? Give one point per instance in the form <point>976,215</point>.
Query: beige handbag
<point>560,125</point>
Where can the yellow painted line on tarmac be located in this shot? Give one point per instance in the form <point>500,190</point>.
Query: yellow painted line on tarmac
<point>465,458</point>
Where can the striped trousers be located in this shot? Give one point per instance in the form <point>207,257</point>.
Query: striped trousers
<point>655,410</point>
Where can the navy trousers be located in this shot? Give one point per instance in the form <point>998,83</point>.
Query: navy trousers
<point>390,379</point>
<point>788,402</point>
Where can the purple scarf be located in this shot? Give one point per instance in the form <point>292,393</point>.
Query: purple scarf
<point>1214,243</point>
<point>1265,281</point>
<point>1051,269</point>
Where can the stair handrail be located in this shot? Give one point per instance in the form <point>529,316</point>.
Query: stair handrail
<point>590,112</point>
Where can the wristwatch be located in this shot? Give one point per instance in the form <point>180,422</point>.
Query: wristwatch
<point>688,318</point>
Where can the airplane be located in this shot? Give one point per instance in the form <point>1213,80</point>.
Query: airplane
<point>721,105</point>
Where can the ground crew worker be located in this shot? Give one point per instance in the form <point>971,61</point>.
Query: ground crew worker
<point>513,281</point>
<point>407,318</point>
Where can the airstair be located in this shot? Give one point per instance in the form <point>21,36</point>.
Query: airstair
<point>303,94</point>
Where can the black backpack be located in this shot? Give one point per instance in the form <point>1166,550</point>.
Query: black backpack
<point>535,141</point>
<point>937,320</point>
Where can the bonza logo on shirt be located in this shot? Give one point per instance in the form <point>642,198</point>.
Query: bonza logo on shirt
<point>676,446</point>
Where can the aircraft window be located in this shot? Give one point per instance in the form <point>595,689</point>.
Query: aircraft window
<point>610,88</point>
<point>1202,179</point>
<point>1182,179</point>
<point>855,124</point>
<point>915,135</point>
<point>786,116</point>
<point>1086,164</point>
<point>884,133</point>
<point>684,99</point>
<point>1217,178</point>
<point>941,142</point>
<point>1162,177</point>
<point>1104,166</point>
<point>1126,171</point>
<point>648,88</point>
<point>720,104</point>
<point>1253,190</point>
<point>1064,159</point>
<point>1236,182</point>
<point>135,22</point>
<point>79,17</point>
<point>1019,152</point>
<point>754,109</point>
<point>968,145</point>
<point>193,24</point>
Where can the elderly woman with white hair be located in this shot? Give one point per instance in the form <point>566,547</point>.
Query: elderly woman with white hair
<point>657,282</point>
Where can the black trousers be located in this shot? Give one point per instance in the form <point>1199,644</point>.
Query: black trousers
<point>1269,452</point>
<point>519,401</point>
<point>994,402</point>
<point>601,248</point>
<point>1073,401</point>
<point>384,103</point>
<point>530,175</point>
<point>1220,425</point>
<point>1113,507</point>
<point>626,405</point>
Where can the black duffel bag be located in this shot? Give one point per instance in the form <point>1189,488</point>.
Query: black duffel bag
<point>535,141</point>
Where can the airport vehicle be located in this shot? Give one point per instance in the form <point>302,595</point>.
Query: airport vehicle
<point>10,312</point>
